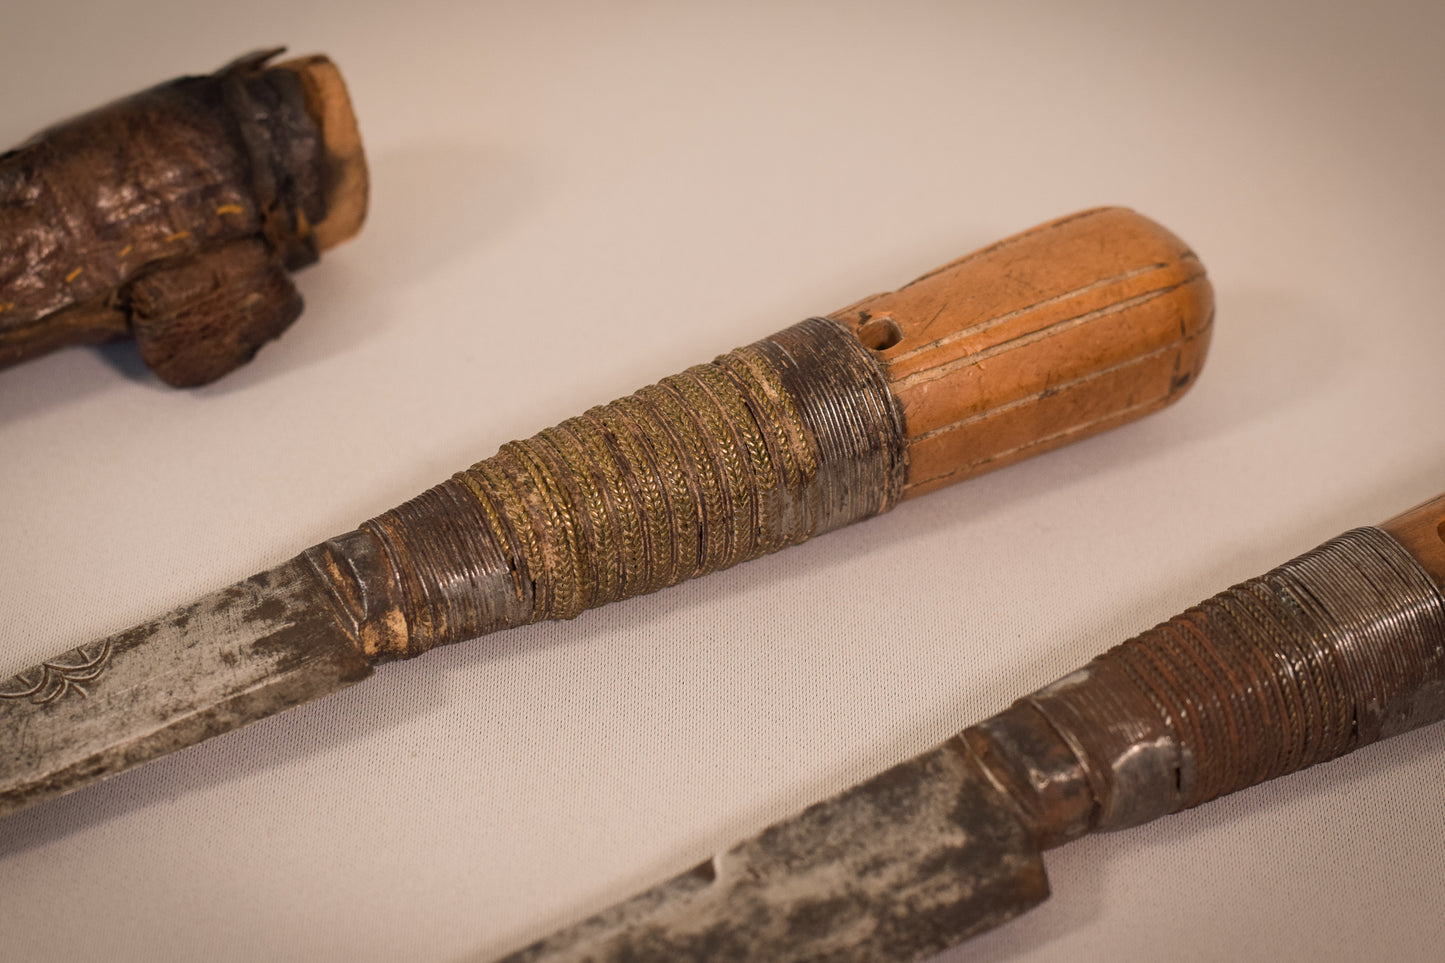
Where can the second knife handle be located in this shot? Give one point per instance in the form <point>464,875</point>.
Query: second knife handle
<point>1331,651</point>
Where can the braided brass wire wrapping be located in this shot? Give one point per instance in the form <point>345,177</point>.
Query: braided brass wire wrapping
<point>1329,652</point>
<point>763,448</point>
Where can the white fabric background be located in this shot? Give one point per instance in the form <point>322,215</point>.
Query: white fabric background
<point>573,200</point>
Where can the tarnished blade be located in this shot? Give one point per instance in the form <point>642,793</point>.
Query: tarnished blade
<point>262,645</point>
<point>890,871</point>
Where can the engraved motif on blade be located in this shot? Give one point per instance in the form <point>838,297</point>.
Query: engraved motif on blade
<point>60,676</point>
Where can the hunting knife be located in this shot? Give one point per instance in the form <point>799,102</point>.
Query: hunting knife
<point>1071,328</point>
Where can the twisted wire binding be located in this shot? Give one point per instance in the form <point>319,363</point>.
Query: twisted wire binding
<point>1326,653</point>
<point>762,448</point>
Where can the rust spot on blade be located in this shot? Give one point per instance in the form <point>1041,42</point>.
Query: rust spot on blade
<point>269,610</point>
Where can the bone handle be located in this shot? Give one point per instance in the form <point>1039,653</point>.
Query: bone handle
<point>1074,327</point>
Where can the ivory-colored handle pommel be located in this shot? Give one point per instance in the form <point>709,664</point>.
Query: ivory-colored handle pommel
<point>1052,335</point>
<point>347,184</point>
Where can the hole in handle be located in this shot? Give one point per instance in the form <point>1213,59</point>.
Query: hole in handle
<point>880,334</point>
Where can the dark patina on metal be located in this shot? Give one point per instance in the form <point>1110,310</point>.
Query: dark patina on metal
<point>1329,652</point>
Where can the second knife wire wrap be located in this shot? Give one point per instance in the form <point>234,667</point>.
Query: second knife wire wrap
<point>1329,652</point>
<point>765,447</point>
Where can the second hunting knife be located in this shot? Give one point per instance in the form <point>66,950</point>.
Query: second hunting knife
<point>1054,334</point>
<point>1329,652</point>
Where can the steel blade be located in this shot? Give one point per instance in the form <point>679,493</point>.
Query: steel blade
<point>895,869</point>
<point>265,644</point>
